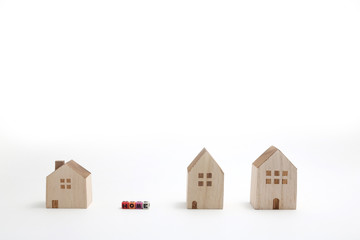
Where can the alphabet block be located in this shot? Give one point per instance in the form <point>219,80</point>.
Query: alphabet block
<point>139,205</point>
<point>132,205</point>
<point>135,205</point>
<point>146,205</point>
<point>125,205</point>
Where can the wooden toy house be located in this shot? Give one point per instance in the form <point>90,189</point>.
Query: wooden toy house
<point>69,186</point>
<point>205,186</point>
<point>273,181</point>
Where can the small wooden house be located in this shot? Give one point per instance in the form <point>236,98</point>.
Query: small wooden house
<point>205,183</point>
<point>273,181</point>
<point>69,186</point>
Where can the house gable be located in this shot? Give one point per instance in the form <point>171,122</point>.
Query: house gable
<point>74,166</point>
<point>79,169</point>
<point>269,155</point>
<point>203,156</point>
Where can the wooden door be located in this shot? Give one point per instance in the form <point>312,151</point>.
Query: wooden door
<point>276,203</point>
<point>194,205</point>
<point>55,203</point>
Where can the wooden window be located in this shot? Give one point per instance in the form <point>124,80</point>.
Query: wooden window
<point>62,180</point>
<point>276,181</point>
<point>285,173</point>
<point>268,181</point>
<point>201,175</point>
<point>68,180</point>
<point>68,186</point>
<point>268,173</point>
<point>209,183</point>
<point>209,175</point>
<point>284,181</point>
<point>277,173</point>
<point>62,186</point>
<point>200,183</point>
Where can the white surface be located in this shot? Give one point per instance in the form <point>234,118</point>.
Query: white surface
<point>133,90</point>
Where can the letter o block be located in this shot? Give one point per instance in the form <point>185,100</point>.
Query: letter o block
<point>132,205</point>
<point>125,205</point>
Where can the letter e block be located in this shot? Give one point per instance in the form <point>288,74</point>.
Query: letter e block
<point>146,205</point>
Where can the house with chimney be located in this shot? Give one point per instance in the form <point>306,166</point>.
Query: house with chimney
<point>69,186</point>
<point>273,181</point>
<point>205,183</point>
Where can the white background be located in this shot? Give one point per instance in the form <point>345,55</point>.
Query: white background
<point>133,90</point>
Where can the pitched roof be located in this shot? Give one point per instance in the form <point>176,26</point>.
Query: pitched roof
<point>77,168</point>
<point>198,157</point>
<point>265,156</point>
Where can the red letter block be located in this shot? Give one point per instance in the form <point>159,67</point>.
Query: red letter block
<point>125,205</point>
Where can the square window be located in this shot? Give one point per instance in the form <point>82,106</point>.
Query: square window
<point>209,183</point>
<point>268,173</point>
<point>285,173</point>
<point>68,180</point>
<point>268,181</point>
<point>209,175</point>
<point>62,186</point>
<point>200,183</point>
<point>277,181</point>
<point>62,180</point>
<point>284,181</point>
<point>277,173</point>
<point>68,186</point>
<point>201,175</point>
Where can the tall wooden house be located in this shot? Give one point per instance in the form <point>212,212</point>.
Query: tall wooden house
<point>273,181</point>
<point>205,183</point>
<point>69,186</point>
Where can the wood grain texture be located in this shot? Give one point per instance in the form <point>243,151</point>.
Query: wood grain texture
<point>59,164</point>
<point>69,186</point>
<point>277,190</point>
<point>205,186</point>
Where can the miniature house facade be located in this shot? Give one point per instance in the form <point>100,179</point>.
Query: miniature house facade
<point>273,181</point>
<point>69,186</point>
<point>205,183</point>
